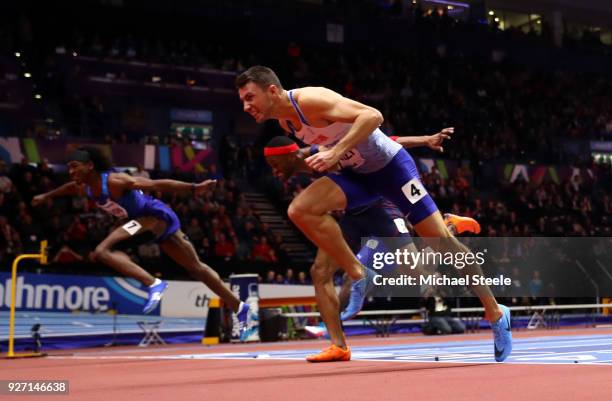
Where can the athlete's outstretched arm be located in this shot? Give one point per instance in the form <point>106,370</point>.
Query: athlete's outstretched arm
<point>125,181</point>
<point>432,141</point>
<point>325,104</point>
<point>68,189</point>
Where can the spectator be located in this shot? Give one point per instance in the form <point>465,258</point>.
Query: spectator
<point>440,319</point>
<point>224,249</point>
<point>205,250</point>
<point>279,248</point>
<point>30,233</point>
<point>5,181</point>
<point>194,231</point>
<point>45,171</point>
<point>289,278</point>
<point>302,279</point>
<point>535,285</point>
<point>10,242</point>
<point>263,252</point>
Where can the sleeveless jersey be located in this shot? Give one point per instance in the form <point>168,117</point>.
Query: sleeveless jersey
<point>132,204</point>
<point>369,156</point>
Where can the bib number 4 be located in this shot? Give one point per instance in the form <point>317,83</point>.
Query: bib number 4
<point>414,190</point>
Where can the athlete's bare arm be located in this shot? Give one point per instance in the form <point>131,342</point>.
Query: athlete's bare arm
<point>321,104</point>
<point>432,141</point>
<point>68,189</point>
<point>120,181</point>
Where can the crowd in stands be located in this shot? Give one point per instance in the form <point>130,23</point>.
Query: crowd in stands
<point>501,111</point>
<point>577,206</point>
<point>272,277</point>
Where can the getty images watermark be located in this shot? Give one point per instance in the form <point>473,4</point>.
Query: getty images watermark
<point>510,266</point>
<point>409,258</point>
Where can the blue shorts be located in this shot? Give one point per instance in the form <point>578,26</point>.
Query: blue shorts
<point>398,182</point>
<point>379,219</point>
<point>160,210</point>
<point>357,195</point>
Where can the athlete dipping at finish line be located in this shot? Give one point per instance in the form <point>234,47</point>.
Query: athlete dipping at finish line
<point>376,163</point>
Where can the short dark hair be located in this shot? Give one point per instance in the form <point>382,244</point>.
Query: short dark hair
<point>279,141</point>
<point>97,157</point>
<point>260,75</point>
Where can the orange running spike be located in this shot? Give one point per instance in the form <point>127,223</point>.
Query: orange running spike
<point>462,224</point>
<point>331,354</point>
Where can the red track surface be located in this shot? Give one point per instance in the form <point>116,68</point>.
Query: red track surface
<point>269,380</point>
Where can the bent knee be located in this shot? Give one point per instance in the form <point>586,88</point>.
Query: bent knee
<point>300,208</point>
<point>297,211</point>
<point>100,254</point>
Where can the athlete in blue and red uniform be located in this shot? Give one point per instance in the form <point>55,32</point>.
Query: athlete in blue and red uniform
<point>147,219</point>
<point>374,218</point>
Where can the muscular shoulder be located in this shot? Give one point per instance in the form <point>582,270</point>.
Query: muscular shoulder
<point>324,105</point>
<point>315,97</point>
<point>119,180</point>
<point>318,105</point>
<point>118,183</point>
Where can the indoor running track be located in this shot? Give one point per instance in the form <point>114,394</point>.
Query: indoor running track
<point>545,365</point>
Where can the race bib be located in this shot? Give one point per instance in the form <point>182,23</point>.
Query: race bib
<point>401,225</point>
<point>414,190</point>
<point>132,227</point>
<point>352,159</point>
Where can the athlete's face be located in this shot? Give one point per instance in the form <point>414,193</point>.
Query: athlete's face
<point>283,166</point>
<point>78,171</point>
<point>257,101</point>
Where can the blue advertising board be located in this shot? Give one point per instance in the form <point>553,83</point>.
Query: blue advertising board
<point>65,293</point>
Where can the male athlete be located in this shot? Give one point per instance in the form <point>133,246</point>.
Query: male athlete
<point>150,219</point>
<point>349,130</point>
<point>377,219</point>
